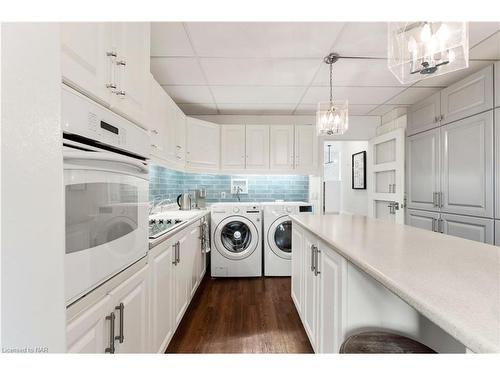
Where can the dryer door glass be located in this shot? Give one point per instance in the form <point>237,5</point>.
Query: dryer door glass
<point>283,236</point>
<point>236,236</point>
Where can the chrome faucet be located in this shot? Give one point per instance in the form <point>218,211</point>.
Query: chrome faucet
<point>238,190</point>
<point>153,204</point>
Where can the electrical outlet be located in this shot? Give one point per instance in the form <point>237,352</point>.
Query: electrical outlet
<point>223,195</point>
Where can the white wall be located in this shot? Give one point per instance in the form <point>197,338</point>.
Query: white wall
<point>360,127</point>
<point>32,217</point>
<point>341,196</point>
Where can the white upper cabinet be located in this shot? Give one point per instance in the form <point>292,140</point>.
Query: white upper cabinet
<point>131,42</point>
<point>497,163</point>
<point>131,307</point>
<point>497,84</point>
<point>471,228</point>
<point>424,115</point>
<point>203,145</point>
<point>180,137</point>
<point>467,166</point>
<point>157,122</point>
<point>469,96</point>
<point>232,146</point>
<point>109,62</point>
<point>306,151</point>
<point>85,63</point>
<point>422,169</point>
<point>257,146</point>
<point>422,219</point>
<point>281,147</point>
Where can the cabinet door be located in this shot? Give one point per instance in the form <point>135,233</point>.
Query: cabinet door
<point>203,142</point>
<point>422,169</point>
<point>180,137</point>
<point>133,294</point>
<point>467,166</point>
<point>281,147</point>
<point>332,293</point>
<point>425,114</point>
<point>193,252</point>
<point>471,228</point>
<point>306,151</point>
<point>89,332</point>
<point>257,146</point>
<point>497,159</point>
<point>158,116</point>
<point>297,266</point>
<point>181,277</point>
<point>84,62</point>
<point>497,232</point>
<point>232,146</point>
<point>310,311</point>
<point>422,219</point>
<point>161,296</point>
<point>469,96</point>
<point>132,70</point>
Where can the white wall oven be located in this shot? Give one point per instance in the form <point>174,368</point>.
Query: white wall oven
<point>106,193</point>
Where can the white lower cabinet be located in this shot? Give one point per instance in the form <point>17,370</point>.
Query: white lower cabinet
<point>471,228</point>
<point>318,290</point>
<point>89,332</point>
<point>162,322</point>
<point>130,301</point>
<point>117,323</point>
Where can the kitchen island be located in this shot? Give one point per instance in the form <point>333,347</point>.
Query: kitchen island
<point>452,282</point>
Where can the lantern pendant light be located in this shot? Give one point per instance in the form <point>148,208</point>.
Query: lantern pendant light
<point>417,50</point>
<point>332,116</point>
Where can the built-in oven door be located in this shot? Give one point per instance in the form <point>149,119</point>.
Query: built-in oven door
<point>106,198</point>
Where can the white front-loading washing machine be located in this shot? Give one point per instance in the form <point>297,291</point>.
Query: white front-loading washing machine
<point>278,236</point>
<point>236,240</point>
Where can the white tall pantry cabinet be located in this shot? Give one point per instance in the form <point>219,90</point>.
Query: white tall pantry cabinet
<point>450,154</point>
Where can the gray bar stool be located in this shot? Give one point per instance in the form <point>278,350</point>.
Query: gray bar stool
<point>376,342</point>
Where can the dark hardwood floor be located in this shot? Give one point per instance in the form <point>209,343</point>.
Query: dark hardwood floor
<point>241,315</point>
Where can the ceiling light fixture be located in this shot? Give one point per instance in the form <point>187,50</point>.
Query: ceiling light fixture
<point>332,116</point>
<point>418,50</point>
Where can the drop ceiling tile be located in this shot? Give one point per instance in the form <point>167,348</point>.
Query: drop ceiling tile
<point>368,39</point>
<point>354,109</point>
<point>478,31</point>
<point>355,95</point>
<point>452,77</point>
<point>488,49</point>
<point>255,109</point>
<point>177,71</point>
<point>357,72</point>
<point>198,109</point>
<point>257,94</point>
<point>169,39</point>
<point>413,95</point>
<point>263,39</point>
<point>249,72</point>
<point>189,94</point>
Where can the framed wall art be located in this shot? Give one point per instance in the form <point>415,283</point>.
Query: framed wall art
<point>359,170</point>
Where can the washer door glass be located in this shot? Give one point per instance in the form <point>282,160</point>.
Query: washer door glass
<point>283,236</point>
<point>236,236</point>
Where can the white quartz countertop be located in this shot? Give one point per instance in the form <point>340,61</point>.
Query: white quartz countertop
<point>453,282</point>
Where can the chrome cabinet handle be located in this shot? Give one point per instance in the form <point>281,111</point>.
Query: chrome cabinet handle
<point>313,247</point>
<point>435,199</point>
<point>440,199</point>
<point>111,349</point>
<point>120,308</point>
<point>154,131</point>
<point>121,93</point>
<point>111,54</point>
<point>316,263</point>
<point>433,225</point>
<point>178,247</point>
<point>440,226</point>
<point>174,247</point>
<point>110,86</point>
<point>121,62</point>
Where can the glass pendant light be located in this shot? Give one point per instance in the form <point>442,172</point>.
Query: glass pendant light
<point>332,116</point>
<point>418,50</point>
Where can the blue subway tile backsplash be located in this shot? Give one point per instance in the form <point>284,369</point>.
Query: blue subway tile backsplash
<point>168,184</point>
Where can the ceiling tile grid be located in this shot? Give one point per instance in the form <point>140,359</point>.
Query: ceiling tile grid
<point>253,68</point>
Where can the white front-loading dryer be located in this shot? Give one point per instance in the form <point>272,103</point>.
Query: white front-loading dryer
<point>278,236</point>
<point>236,240</point>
